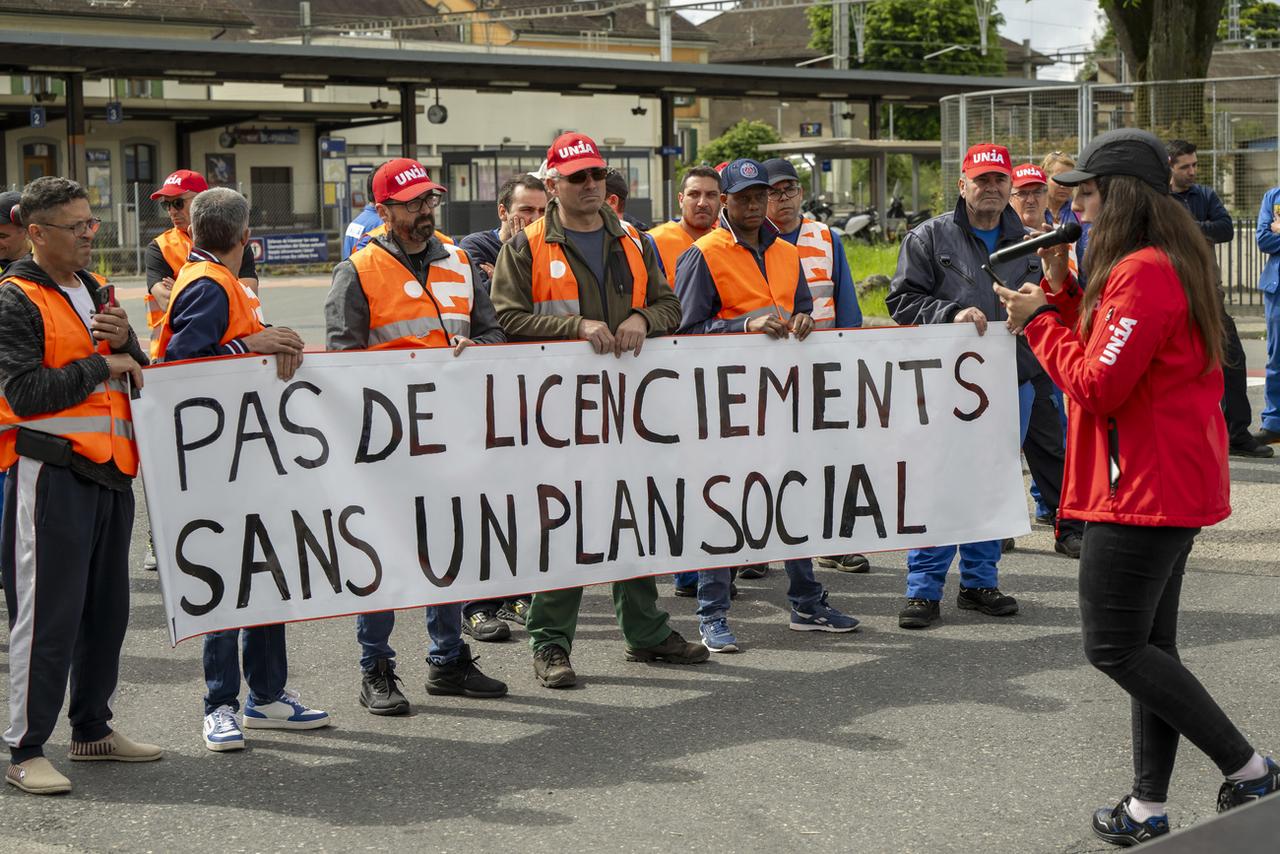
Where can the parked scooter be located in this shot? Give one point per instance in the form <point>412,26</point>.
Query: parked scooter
<point>817,208</point>
<point>899,220</point>
<point>864,225</point>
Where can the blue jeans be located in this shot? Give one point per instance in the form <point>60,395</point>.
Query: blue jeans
<point>444,629</point>
<point>1271,391</point>
<point>927,568</point>
<point>680,579</point>
<point>803,589</point>
<point>266,665</point>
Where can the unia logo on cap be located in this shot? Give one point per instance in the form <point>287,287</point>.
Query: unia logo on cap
<point>578,148</point>
<point>1027,172</point>
<point>989,156</point>
<point>413,173</point>
<point>173,179</point>
<point>748,170</point>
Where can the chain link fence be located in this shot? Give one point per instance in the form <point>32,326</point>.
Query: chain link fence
<point>130,219</point>
<point>1234,123</point>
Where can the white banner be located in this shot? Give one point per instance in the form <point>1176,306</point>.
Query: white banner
<point>403,478</point>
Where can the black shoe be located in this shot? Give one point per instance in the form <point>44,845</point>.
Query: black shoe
<point>919,613</point>
<point>1007,545</point>
<point>1255,451</point>
<point>1238,794</point>
<point>1069,545</point>
<point>484,625</point>
<point>1047,519</point>
<point>461,678</point>
<point>753,572</point>
<point>733,591</point>
<point>988,600</point>
<point>686,592</point>
<point>1119,828</point>
<point>551,666</point>
<point>514,610</point>
<point>378,691</point>
<point>844,563</point>
<point>674,650</point>
<point>1266,437</point>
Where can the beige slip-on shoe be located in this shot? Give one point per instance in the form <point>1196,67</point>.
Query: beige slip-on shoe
<point>37,776</point>
<point>114,748</point>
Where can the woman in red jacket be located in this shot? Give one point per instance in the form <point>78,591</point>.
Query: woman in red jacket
<point>1139,353</point>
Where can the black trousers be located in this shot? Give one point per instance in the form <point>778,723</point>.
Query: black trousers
<point>64,554</point>
<point>1235,393</point>
<point>1130,584</point>
<point>1046,451</point>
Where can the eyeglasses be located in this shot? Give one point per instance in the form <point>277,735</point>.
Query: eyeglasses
<point>597,173</point>
<point>429,200</point>
<point>79,229</point>
<point>785,192</point>
<point>173,204</point>
<point>1043,191</point>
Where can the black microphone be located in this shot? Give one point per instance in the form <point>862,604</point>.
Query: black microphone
<point>1068,232</point>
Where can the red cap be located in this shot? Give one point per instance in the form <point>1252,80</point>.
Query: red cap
<point>402,179</point>
<point>1028,173</point>
<point>986,157</point>
<point>573,152</point>
<point>182,181</point>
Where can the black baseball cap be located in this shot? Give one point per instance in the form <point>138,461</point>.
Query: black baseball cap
<point>780,170</point>
<point>741,174</point>
<point>9,201</point>
<point>1127,151</point>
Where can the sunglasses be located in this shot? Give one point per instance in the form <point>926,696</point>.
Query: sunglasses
<point>597,173</point>
<point>173,204</point>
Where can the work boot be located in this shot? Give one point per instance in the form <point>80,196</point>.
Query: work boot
<point>919,613</point>
<point>484,625</point>
<point>988,600</point>
<point>514,610</point>
<point>551,666</point>
<point>461,678</point>
<point>378,691</point>
<point>673,650</point>
<point>844,563</point>
<point>1069,545</point>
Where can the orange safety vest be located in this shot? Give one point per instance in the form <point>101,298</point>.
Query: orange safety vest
<point>743,291</point>
<point>244,310</point>
<point>555,289</point>
<point>381,231</point>
<point>672,240</point>
<point>817,259</point>
<point>403,314</point>
<point>100,427</point>
<point>175,245</point>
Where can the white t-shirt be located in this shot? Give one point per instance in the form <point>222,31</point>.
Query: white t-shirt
<point>83,303</point>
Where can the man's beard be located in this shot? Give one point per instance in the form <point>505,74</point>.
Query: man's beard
<point>421,229</point>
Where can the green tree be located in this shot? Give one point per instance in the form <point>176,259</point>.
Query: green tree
<point>1259,22</point>
<point>899,33</point>
<point>742,140</point>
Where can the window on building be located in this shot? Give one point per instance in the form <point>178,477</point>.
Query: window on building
<point>139,163</point>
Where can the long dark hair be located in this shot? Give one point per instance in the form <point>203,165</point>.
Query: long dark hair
<point>1135,216</point>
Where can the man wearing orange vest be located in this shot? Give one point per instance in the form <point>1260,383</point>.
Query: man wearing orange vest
<point>699,200</point>
<point>826,270</point>
<point>406,289</point>
<point>580,273</point>
<point>66,436</point>
<point>211,314</point>
<point>742,277</point>
<point>380,230</point>
<point>165,255</point>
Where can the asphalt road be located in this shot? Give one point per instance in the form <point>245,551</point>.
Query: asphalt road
<point>979,735</point>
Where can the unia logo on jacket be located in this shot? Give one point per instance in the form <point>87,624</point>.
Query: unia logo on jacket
<point>1120,332</point>
<point>413,173</point>
<point>578,148</point>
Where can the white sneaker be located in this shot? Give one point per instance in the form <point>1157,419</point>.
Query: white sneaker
<point>286,712</point>
<point>222,730</point>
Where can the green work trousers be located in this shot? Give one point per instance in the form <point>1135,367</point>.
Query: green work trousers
<point>553,616</point>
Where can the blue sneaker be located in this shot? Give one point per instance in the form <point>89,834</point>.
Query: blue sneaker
<point>222,730</point>
<point>717,637</point>
<point>285,712</point>
<point>823,619</point>
<point>1119,828</point>
<point>1233,795</point>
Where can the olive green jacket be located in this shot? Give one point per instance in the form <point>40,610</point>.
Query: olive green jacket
<point>512,286</point>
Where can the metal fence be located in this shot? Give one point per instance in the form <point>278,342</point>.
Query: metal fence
<point>1234,123</point>
<point>130,219</point>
